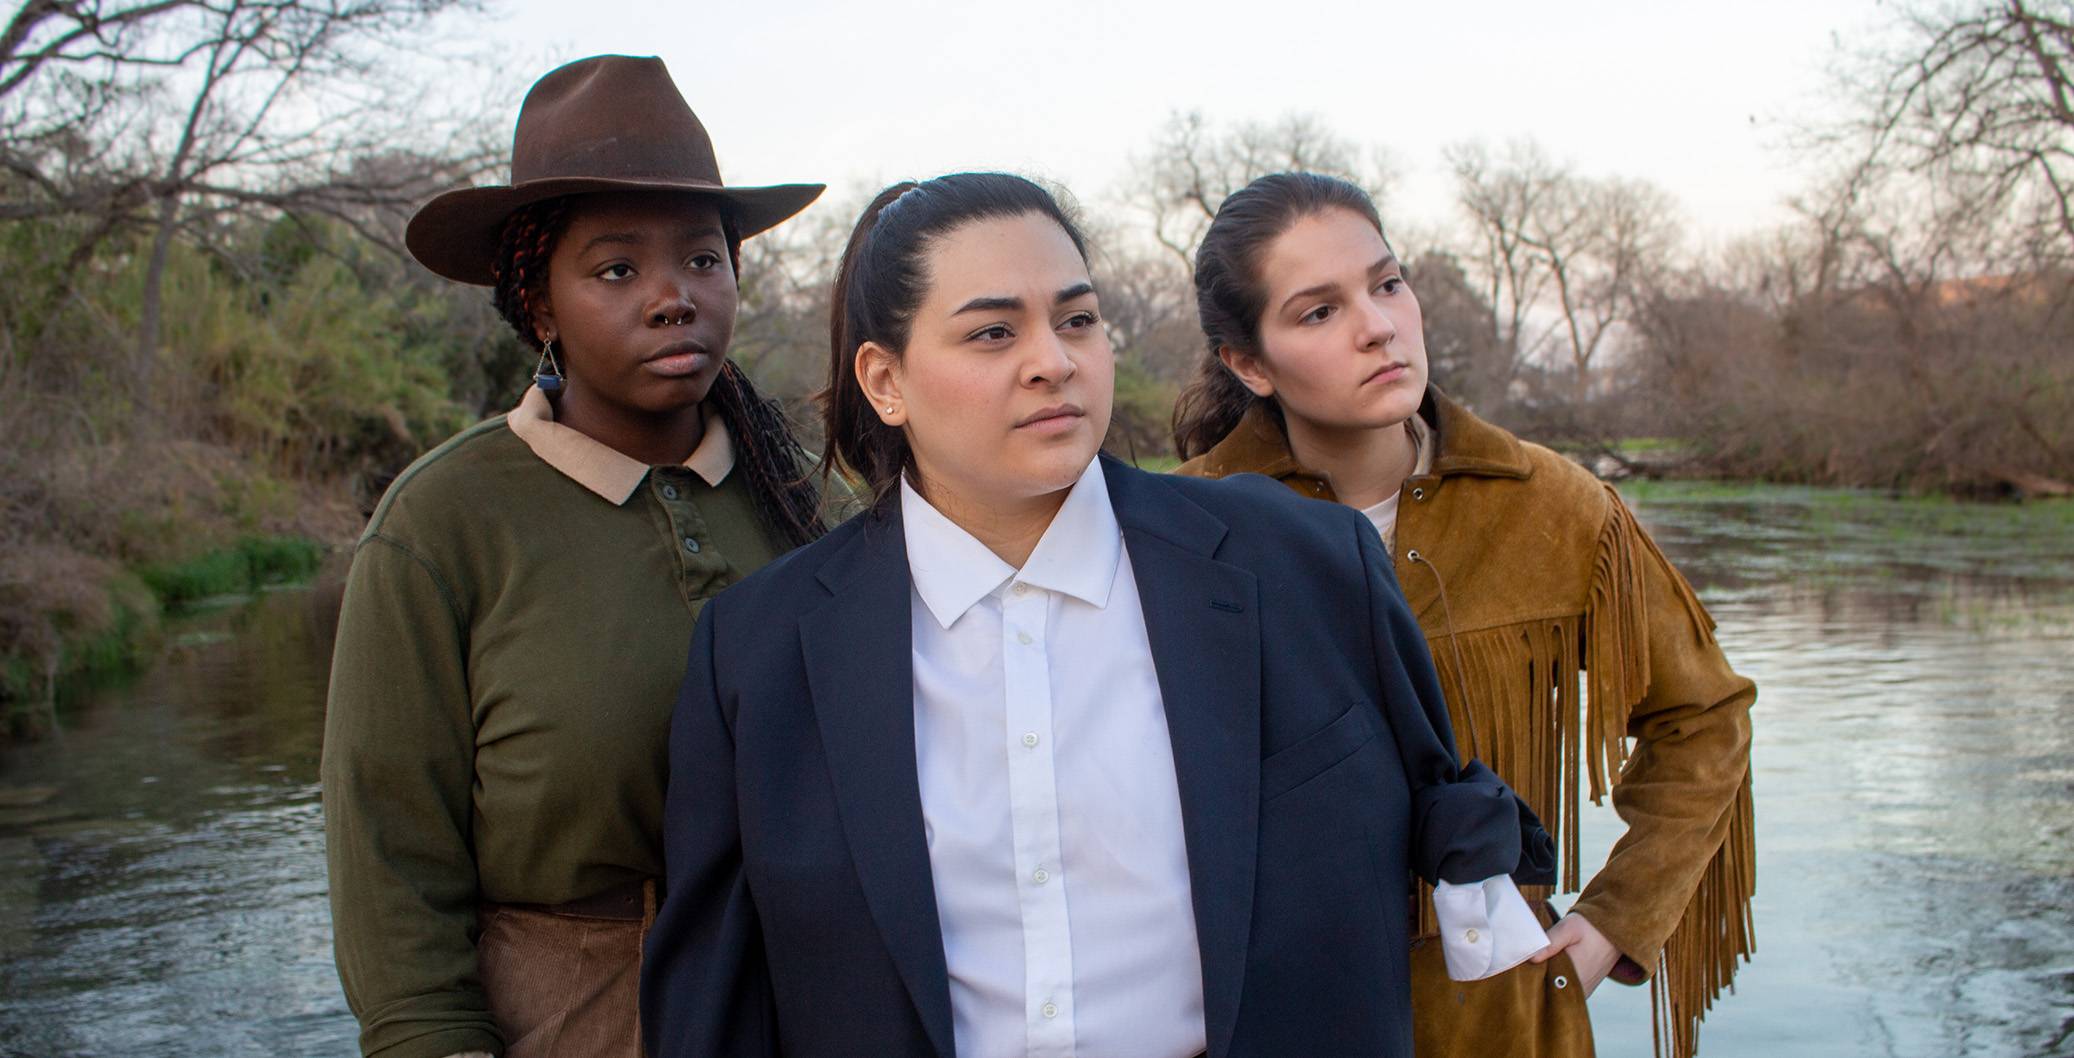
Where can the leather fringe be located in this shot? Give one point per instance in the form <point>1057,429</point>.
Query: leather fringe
<point>1699,960</point>
<point>1592,669</point>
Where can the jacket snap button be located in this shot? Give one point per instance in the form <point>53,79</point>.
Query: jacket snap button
<point>1561,981</point>
<point>1412,555</point>
<point>1418,494</point>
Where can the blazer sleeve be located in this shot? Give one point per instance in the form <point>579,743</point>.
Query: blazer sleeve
<point>1467,825</point>
<point>705,989</point>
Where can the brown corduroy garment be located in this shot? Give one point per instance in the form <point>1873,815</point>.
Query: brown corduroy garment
<point>1565,638</point>
<point>564,985</point>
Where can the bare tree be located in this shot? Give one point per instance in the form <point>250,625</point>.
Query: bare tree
<point>1193,166</point>
<point>173,117</point>
<point>1551,239</point>
<point>1978,101</point>
<point>787,280</point>
<point>1461,344</point>
<point>1601,242</point>
<point>1501,196</point>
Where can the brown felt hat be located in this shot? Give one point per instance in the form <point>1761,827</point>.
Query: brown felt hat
<point>606,123</point>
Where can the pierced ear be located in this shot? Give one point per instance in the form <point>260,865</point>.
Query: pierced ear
<point>1248,369</point>
<point>878,375</point>
<point>544,320</point>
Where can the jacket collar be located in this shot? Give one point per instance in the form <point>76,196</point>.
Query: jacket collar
<point>1465,445</point>
<point>1469,445</point>
<point>1256,445</point>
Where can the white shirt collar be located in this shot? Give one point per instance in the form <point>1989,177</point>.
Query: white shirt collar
<point>952,571</point>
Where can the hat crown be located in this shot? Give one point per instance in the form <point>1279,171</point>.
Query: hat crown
<point>613,117</point>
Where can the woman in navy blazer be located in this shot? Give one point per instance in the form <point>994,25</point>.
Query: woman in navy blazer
<point>1310,744</point>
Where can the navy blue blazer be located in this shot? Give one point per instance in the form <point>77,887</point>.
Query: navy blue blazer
<point>1311,744</point>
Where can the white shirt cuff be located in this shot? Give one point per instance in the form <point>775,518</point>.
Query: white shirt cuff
<point>1486,928</point>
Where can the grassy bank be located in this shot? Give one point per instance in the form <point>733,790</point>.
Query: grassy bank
<point>93,644</point>
<point>1937,509</point>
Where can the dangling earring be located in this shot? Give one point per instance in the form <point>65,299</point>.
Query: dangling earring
<point>547,374</point>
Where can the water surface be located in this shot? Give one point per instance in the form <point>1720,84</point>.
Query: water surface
<point>1914,756</point>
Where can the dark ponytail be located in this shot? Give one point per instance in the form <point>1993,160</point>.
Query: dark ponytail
<point>1230,296</point>
<point>877,290</point>
<point>767,450</point>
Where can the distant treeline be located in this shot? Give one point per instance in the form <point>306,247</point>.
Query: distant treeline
<point>209,336</point>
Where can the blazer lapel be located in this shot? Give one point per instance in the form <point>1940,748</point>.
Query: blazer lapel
<point>859,666</point>
<point>1202,618</point>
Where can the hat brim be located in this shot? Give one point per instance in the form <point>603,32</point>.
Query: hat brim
<point>457,233</point>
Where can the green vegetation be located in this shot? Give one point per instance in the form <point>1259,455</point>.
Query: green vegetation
<point>301,364</point>
<point>252,563</point>
<point>1935,511</point>
<point>87,646</point>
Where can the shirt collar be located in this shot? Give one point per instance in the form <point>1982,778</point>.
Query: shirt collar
<point>1077,555</point>
<point>1422,446</point>
<point>606,471</point>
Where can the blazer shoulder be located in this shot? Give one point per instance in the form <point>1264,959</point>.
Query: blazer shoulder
<point>1238,493</point>
<point>792,582</point>
<point>1260,512</point>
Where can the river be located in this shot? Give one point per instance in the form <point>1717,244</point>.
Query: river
<point>162,870</point>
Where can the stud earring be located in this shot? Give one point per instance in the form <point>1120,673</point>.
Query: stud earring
<point>547,374</point>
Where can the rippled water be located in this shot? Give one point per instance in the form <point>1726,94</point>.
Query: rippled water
<point>1914,755</point>
<point>162,873</point>
<point>168,898</point>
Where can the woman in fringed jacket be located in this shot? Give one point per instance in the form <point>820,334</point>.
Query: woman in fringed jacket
<point>1532,582</point>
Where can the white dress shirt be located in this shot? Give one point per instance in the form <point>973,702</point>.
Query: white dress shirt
<point>1049,797</point>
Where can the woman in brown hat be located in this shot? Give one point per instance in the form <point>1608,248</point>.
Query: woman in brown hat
<point>1529,578</point>
<point>516,617</point>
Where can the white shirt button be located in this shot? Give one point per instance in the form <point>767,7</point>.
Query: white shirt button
<point>1030,739</point>
<point>1040,876</point>
<point>1023,638</point>
<point>1021,588</point>
<point>1051,1010</point>
<point>1469,935</point>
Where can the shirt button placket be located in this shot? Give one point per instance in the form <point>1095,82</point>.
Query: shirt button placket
<point>699,567</point>
<point>1033,793</point>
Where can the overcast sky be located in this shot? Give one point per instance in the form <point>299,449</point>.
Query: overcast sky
<point>1696,97</point>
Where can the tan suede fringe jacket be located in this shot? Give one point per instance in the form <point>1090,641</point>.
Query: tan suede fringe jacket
<point>1530,577</point>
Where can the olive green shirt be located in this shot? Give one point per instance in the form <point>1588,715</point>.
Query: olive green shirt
<point>515,628</point>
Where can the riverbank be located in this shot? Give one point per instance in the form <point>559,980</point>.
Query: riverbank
<point>93,622</point>
<point>111,628</point>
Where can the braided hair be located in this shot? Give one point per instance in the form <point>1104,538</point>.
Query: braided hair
<point>767,449</point>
